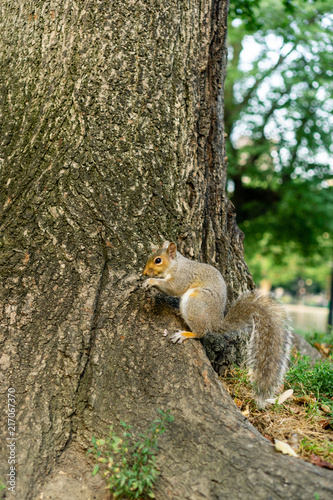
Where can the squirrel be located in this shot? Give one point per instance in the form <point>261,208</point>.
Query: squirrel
<point>203,296</point>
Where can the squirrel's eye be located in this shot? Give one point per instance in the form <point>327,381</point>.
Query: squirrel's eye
<point>158,260</point>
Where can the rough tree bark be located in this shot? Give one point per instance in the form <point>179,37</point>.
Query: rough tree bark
<point>111,140</point>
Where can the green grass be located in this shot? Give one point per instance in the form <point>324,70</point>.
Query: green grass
<point>319,448</point>
<point>317,337</point>
<point>316,380</point>
<point>129,462</point>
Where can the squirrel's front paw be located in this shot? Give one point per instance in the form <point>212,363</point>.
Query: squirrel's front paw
<point>148,283</point>
<point>177,337</point>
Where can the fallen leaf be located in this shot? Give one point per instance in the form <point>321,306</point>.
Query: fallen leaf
<point>285,395</point>
<point>325,423</point>
<point>246,413</point>
<point>271,400</point>
<point>284,448</point>
<point>238,402</point>
<point>323,348</point>
<point>326,409</point>
<point>320,462</point>
<point>304,399</point>
<point>282,398</point>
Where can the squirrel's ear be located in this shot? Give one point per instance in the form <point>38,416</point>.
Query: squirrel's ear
<point>166,244</point>
<point>172,250</point>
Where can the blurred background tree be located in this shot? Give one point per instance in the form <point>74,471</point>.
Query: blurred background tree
<point>278,114</point>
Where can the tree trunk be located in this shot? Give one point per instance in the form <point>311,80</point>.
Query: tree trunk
<point>112,139</point>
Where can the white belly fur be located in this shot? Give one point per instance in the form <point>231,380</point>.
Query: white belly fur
<point>184,300</point>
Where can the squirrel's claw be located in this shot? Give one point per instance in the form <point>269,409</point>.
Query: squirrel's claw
<point>147,283</point>
<point>177,337</point>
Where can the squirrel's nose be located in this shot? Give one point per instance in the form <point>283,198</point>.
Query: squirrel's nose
<point>146,270</point>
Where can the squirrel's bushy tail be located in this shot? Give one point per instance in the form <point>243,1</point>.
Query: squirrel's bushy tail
<point>269,343</point>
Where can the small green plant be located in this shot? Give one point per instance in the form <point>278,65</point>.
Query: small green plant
<point>241,374</point>
<point>316,380</point>
<point>2,489</point>
<point>241,377</point>
<point>129,462</point>
<point>320,448</point>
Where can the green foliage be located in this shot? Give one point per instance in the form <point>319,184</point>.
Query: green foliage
<point>248,12</point>
<point>129,465</point>
<point>244,9</point>
<point>316,380</point>
<point>283,265</point>
<point>278,114</point>
<point>319,448</point>
<point>241,377</point>
<point>317,337</point>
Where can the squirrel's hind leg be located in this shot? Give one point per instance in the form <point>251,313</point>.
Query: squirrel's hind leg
<point>201,311</point>
<point>182,335</point>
